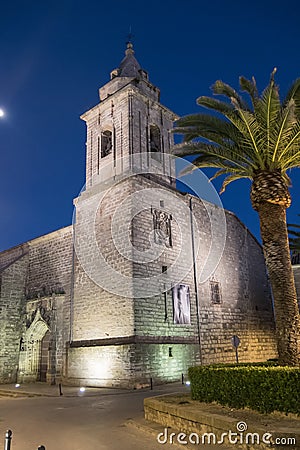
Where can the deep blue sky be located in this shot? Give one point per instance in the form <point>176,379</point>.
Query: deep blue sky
<point>55,55</point>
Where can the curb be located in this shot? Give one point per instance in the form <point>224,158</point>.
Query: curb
<point>153,429</point>
<point>179,413</point>
<point>14,394</point>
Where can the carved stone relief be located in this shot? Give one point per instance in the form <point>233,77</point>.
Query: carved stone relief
<point>162,227</point>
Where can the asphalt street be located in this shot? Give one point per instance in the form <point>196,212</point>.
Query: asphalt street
<point>97,421</point>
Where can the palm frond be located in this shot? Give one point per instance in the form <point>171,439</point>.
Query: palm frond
<point>294,225</point>
<point>295,233</point>
<point>202,162</point>
<point>221,88</point>
<point>218,174</point>
<point>209,127</point>
<point>230,179</point>
<point>188,148</point>
<point>294,93</point>
<point>250,130</point>
<point>267,109</point>
<point>284,127</point>
<point>216,105</point>
<point>293,145</point>
<point>243,141</point>
<point>250,87</point>
<point>291,164</point>
<point>229,158</point>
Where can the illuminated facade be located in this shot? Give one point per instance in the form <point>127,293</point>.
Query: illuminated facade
<point>117,298</point>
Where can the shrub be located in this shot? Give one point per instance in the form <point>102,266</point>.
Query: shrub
<point>262,387</point>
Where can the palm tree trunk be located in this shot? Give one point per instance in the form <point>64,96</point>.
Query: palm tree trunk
<point>276,250</point>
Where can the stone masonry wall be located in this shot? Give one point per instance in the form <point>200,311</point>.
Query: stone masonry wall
<point>50,264</point>
<point>245,308</point>
<point>164,363</point>
<point>99,313</point>
<point>12,302</point>
<point>100,317</point>
<point>101,366</point>
<point>35,275</point>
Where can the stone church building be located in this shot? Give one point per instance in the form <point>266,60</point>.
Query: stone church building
<point>147,281</point>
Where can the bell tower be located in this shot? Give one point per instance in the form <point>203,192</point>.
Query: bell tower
<point>128,145</point>
<point>128,120</point>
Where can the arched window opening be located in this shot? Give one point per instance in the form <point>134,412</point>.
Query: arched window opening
<point>155,142</point>
<point>106,143</point>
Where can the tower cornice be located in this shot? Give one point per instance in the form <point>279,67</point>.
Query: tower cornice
<point>124,90</point>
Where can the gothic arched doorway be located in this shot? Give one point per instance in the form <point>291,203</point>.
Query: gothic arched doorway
<point>34,351</point>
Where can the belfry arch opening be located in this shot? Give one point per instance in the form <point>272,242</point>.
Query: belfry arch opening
<point>155,142</point>
<point>106,143</point>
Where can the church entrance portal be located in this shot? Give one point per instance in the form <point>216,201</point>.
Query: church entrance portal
<point>34,351</point>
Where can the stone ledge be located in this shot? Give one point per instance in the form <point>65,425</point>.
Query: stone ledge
<point>181,413</point>
<point>133,340</point>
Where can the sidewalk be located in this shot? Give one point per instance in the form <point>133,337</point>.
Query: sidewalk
<point>46,390</point>
<point>39,389</point>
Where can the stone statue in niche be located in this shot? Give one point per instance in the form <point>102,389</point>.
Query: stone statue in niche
<point>162,227</point>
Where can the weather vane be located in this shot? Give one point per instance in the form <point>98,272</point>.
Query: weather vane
<point>130,36</point>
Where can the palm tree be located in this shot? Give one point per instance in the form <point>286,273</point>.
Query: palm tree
<point>259,141</point>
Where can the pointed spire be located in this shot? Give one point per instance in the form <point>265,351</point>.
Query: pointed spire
<point>129,71</point>
<point>129,66</point>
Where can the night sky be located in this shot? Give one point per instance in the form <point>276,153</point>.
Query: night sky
<point>55,55</point>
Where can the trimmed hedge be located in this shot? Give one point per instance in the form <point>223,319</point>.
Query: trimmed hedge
<point>264,388</point>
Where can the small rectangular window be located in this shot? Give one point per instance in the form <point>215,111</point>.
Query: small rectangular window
<point>215,292</point>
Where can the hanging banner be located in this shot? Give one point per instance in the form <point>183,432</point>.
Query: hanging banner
<point>181,304</point>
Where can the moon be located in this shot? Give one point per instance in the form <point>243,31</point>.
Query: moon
<point>1,112</point>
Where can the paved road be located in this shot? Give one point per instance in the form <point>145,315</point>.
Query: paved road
<point>89,422</point>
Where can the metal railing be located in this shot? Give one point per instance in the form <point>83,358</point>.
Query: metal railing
<point>8,439</point>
